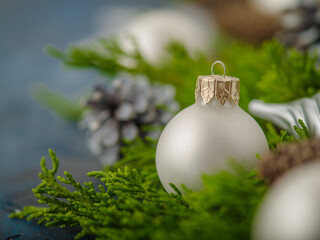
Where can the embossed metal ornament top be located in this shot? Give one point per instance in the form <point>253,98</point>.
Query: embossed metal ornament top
<point>220,87</point>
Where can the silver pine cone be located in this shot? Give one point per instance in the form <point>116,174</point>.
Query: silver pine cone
<point>124,110</point>
<point>301,26</point>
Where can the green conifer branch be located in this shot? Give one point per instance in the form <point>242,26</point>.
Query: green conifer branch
<point>57,103</point>
<point>272,72</point>
<point>302,130</point>
<point>130,202</point>
<point>127,206</point>
<point>275,137</point>
<point>180,69</point>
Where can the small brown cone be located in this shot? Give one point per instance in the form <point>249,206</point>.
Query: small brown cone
<point>275,164</point>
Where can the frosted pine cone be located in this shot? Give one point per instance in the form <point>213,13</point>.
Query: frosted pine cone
<point>275,164</point>
<point>123,111</point>
<point>301,27</point>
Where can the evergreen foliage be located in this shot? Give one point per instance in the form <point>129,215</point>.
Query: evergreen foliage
<point>302,130</point>
<point>275,138</point>
<point>106,57</point>
<point>58,103</point>
<point>130,204</point>
<point>271,72</point>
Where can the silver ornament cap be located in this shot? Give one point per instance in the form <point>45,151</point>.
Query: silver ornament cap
<point>220,87</point>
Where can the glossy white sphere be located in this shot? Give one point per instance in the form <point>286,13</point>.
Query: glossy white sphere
<point>202,139</point>
<point>291,210</point>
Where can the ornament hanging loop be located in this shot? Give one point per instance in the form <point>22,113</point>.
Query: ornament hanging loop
<point>221,87</point>
<point>224,67</point>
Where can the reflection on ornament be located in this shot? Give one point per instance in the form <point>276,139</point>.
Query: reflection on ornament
<point>291,210</point>
<point>286,115</point>
<point>203,137</point>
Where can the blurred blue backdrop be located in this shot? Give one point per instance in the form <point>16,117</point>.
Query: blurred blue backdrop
<point>26,129</point>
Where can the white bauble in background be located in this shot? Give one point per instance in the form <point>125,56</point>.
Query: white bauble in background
<point>153,30</point>
<point>291,209</point>
<point>205,136</point>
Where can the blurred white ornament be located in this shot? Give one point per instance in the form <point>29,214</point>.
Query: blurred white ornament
<point>286,115</point>
<point>291,210</point>
<point>154,30</point>
<point>203,137</point>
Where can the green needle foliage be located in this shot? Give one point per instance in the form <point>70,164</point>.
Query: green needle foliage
<point>128,204</point>
<point>271,72</point>
<point>302,130</point>
<point>275,138</point>
<point>107,57</point>
<point>58,103</point>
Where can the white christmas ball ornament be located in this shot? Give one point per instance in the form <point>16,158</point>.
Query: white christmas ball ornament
<point>291,210</point>
<point>205,136</point>
<point>154,30</point>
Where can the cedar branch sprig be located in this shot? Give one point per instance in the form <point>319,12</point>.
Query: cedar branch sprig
<point>120,195</point>
<point>127,205</point>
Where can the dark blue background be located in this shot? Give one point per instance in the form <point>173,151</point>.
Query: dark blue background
<point>26,129</point>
